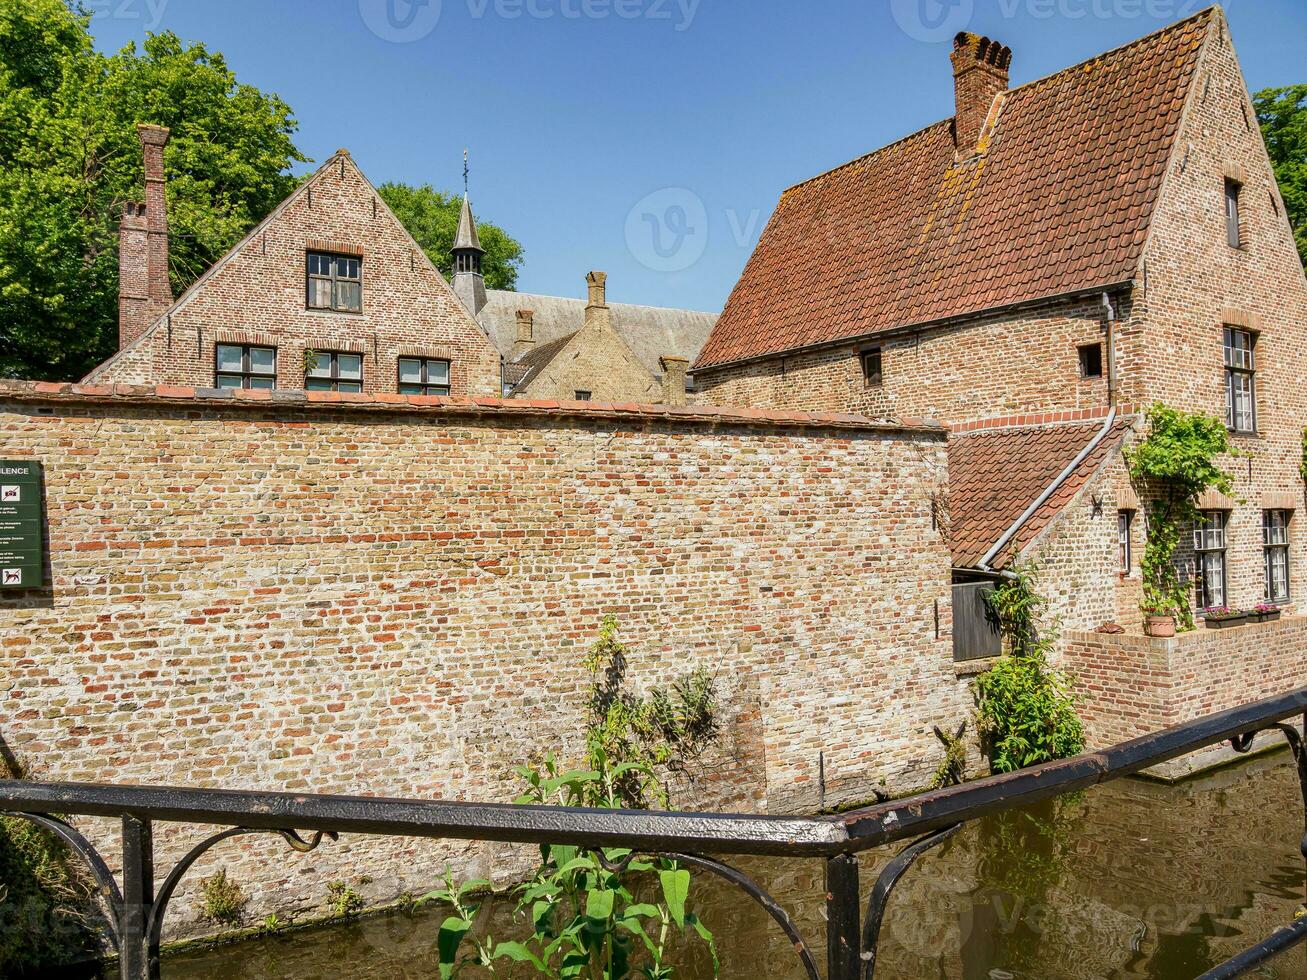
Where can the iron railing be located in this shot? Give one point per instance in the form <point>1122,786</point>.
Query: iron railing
<point>137,907</point>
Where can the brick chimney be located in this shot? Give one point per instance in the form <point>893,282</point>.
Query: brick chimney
<point>980,75</point>
<point>597,312</point>
<point>526,327</point>
<point>144,291</point>
<point>674,372</point>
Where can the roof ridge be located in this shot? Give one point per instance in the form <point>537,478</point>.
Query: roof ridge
<point>582,300</point>
<point>1206,12</point>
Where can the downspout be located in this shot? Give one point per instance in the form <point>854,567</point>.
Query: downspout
<point>1094,443</point>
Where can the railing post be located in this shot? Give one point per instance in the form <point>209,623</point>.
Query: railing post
<point>843,943</point>
<point>137,961</point>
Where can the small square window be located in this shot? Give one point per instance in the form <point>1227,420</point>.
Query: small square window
<point>1091,360</point>
<point>245,366</point>
<point>583,396</point>
<point>872,367</point>
<point>423,376</point>
<point>334,282</point>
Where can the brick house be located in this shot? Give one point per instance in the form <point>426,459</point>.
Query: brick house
<point>560,348</point>
<point>1033,272</point>
<point>328,292</point>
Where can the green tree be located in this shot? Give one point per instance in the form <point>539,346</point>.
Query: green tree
<point>432,219</point>
<point>69,159</point>
<point>1282,113</point>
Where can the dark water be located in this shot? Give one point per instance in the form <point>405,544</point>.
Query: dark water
<point>1129,880</point>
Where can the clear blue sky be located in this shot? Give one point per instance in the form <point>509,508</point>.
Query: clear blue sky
<point>576,111</point>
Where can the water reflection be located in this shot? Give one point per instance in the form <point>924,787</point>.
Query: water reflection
<point>1129,880</point>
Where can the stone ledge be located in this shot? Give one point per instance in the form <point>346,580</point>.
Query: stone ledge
<point>99,394</point>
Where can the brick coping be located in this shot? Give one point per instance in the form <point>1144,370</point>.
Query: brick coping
<point>1041,418</point>
<point>1198,635</point>
<point>121,394</point>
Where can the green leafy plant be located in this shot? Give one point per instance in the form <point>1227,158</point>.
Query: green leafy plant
<point>221,900</point>
<point>1026,709</point>
<point>1175,463</point>
<point>589,911</point>
<point>343,900</point>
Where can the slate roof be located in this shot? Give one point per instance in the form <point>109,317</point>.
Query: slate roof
<point>995,474</point>
<point>651,332</point>
<point>524,370</point>
<point>1059,200</point>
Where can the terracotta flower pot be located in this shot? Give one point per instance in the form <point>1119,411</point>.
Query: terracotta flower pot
<point>1159,625</point>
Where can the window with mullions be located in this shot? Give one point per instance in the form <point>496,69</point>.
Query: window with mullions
<point>335,282</point>
<point>1275,545</point>
<point>245,366</point>
<point>1209,543</point>
<point>423,376</point>
<point>1240,380</point>
<point>332,371</point>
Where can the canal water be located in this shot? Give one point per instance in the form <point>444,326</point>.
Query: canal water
<point>1127,880</point>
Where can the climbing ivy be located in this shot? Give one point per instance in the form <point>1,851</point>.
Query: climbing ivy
<point>1176,463</point>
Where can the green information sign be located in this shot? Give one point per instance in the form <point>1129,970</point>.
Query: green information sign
<point>22,564</point>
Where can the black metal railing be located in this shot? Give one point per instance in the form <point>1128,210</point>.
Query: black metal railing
<point>137,908</point>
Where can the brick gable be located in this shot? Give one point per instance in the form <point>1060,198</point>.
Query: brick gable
<point>256,294</point>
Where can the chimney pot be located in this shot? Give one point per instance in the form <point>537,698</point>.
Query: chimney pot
<point>598,283</point>
<point>980,75</point>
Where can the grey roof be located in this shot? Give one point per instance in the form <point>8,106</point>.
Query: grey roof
<point>524,370</point>
<point>650,331</point>
<point>467,236</point>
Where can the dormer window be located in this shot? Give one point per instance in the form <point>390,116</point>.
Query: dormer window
<point>335,282</point>
<point>1232,233</point>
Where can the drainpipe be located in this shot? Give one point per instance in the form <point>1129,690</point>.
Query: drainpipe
<point>1110,309</point>
<point>1052,488</point>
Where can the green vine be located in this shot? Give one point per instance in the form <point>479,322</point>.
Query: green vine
<point>1177,463</point>
<point>1025,708</point>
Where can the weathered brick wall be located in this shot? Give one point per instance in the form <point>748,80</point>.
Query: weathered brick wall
<point>999,365</point>
<point>1136,684</point>
<point>1195,284</point>
<point>257,295</point>
<point>393,598</point>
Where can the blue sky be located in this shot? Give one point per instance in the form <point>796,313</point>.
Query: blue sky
<point>647,138</point>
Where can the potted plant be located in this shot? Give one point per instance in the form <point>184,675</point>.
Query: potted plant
<point>1264,612</point>
<point>1158,622</point>
<point>1221,617</point>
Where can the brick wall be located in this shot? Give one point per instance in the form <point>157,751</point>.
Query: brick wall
<point>1135,684</point>
<point>257,294</point>
<point>391,597</point>
<point>596,360</point>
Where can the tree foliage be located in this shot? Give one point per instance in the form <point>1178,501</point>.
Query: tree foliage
<point>1026,709</point>
<point>70,158</point>
<point>431,217</point>
<point>1282,113</point>
<point>1175,463</point>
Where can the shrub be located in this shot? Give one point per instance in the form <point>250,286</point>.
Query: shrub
<point>343,900</point>
<point>1026,709</point>
<point>221,900</point>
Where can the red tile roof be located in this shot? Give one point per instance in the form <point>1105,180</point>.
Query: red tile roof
<point>995,474</point>
<point>1058,201</point>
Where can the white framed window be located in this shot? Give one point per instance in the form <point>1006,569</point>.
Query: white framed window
<point>245,366</point>
<point>1124,519</point>
<point>333,371</point>
<point>1240,380</point>
<point>1275,546</point>
<point>582,396</point>
<point>334,282</point>
<point>423,376</point>
<point>1209,543</point>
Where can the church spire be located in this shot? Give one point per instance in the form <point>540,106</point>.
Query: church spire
<point>469,285</point>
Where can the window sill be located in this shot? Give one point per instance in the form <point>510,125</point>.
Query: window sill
<point>327,312</point>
